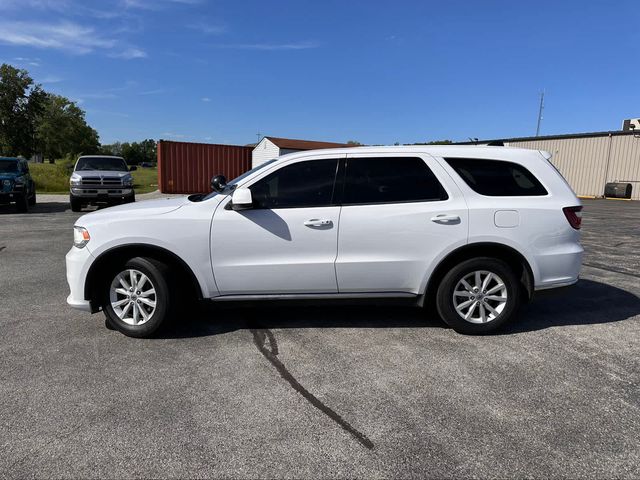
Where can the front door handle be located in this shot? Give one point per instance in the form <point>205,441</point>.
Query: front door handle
<point>318,222</point>
<point>446,219</point>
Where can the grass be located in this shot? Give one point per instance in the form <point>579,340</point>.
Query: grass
<point>145,180</point>
<point>50,178</point>
<point>54,178</point>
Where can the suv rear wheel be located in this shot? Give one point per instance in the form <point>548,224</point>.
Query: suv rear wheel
<point>136,298</point>
<point>478,296</point>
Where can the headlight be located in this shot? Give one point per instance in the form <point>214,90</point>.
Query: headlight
<point>80,237</point>
<point>75,179</point>
<point>6,182</point>
<point>19,181</point>
<point>127,181</point>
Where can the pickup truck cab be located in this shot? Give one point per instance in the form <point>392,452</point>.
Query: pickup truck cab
<point>100,179</point>
<point>16,184</point>
<point>473,229</point>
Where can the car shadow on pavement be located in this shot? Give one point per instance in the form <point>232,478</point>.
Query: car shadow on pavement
<point>586,303</point>
<point>216,319</point>
<point>45,207</point>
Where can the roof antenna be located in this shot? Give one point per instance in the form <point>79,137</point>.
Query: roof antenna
<point>540,113</point>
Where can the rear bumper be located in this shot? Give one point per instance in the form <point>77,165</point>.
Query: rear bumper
<point>78,262</point>
<point>560,268</point>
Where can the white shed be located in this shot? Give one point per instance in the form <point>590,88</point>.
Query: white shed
<point>272,147</point>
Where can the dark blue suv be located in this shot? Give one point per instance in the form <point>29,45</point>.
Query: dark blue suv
<point>16,184</point>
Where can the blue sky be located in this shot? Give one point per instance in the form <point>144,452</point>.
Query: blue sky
<point>374,71</point>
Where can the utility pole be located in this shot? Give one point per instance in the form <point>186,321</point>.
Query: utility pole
<point>540,113</point>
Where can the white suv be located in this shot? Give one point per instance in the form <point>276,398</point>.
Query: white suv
<point>474,229</point>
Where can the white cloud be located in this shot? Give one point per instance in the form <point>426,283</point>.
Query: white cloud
<point>173,135</point>
<point>156,91</point>
<point>270,46</point>
<point>208,29</point>
<point>98,96</point>
<point>50,79</point>
<point>57,5</point>
<point>107,112</point>
<point>205,99</point>
<point>156,4</point>
<point>66,36</point>
<point>129,53</point>
<point>32,62</point>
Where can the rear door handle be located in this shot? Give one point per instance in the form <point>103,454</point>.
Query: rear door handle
<point>318,222</point>
<point>447,219</point>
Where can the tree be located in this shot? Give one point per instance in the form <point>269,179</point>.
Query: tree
<point>21,102</point>
<point>134,153</point>
<point>61,129</point>
<point>355,143</point>
<point>434,142</point>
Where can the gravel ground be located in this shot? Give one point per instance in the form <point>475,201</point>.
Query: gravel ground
<point>320,391</point>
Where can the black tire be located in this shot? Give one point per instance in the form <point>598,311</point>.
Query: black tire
<point>32,198</point>
<point>76,204</point>
<point>22,204</point>
<point>130,199</point>
<point>158,274</point>
<point>445,298</point>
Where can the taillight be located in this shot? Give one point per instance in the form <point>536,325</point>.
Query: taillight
<point>574,216</point>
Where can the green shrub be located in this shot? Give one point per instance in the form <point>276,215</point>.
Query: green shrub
<point>50,177</point>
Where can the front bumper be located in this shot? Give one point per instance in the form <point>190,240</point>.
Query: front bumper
<point>8,197</point>
<point>78,261</point>
<point>93,193</point>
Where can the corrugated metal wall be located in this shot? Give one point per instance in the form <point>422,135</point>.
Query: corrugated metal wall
<point>185,167</point>
<point>589,162</point>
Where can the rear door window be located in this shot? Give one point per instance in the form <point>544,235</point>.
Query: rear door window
<point>390,180</point>
<point>497,178</point>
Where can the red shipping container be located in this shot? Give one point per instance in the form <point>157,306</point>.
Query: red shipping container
<point>185,167</point>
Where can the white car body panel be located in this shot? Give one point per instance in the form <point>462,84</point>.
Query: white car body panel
<point>273,251</point>
<point>372,250</point>
<point>391,247</point>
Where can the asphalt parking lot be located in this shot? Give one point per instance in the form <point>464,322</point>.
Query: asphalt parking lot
<point>320,392</point>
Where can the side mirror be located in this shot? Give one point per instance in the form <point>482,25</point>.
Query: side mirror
<point>241,199</point>
<point>133,168</point>
<point>218,182</point>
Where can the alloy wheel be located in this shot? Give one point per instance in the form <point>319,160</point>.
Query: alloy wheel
<point>133,297</point>
<point>480,296</point>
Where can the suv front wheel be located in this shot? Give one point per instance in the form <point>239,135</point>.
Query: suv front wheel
<point>136,299</point>
<point>478,296</point>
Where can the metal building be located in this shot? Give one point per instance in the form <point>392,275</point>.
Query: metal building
<point>588,161</point>
<point>272,147</point>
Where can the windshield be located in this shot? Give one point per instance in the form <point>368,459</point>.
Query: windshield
<point>232,184</point>
<point>102,163</point>
<point>8,166</point>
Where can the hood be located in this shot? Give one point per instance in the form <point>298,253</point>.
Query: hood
<point>10,175</point>
<point>145,208</point>
<point>101,173</point>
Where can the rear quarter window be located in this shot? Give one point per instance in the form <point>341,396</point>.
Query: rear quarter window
<point>497,178</point>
